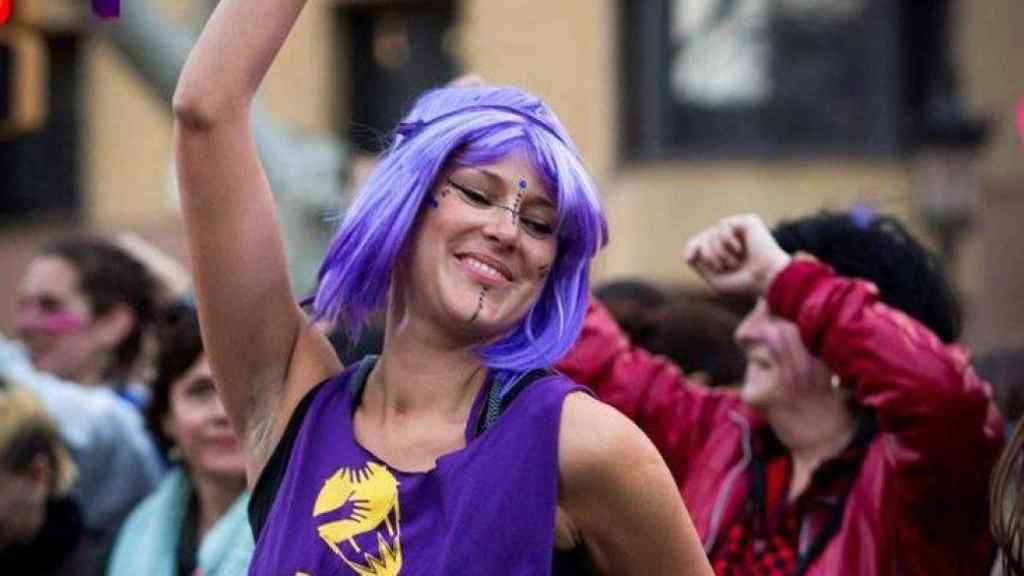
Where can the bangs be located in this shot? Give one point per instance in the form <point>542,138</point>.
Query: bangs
<point>563,176</point>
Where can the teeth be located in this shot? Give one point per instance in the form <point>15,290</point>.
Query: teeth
<point>490,270</point>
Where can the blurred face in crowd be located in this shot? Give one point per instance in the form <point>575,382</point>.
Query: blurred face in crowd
<point>780,369</point>
<point>199,427</point>
<point>55,322</point>
<point>23,495</point>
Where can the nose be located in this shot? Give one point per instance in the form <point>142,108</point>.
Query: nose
<point>746,331</point>
<point>218,410</point>
<point>502,226</point>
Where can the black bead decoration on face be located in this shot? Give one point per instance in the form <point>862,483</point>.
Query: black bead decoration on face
<point>432,200</point>
<point>479,304</point>
<point>518,201</point>
<point>534,226</point>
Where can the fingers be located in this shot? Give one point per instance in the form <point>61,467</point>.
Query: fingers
<point>702,254</point>
<point>719,249</point>
<point>733,238</point>
<point>720,239</point>
<point>691,252</point>
<point>731,244</point>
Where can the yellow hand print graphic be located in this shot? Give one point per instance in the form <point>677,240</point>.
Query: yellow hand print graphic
<point>368,501</point>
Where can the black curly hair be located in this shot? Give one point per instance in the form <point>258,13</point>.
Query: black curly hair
<point>635,304</point>
<point>881,250</point>
<point>107,276</point>
<point>179,347</point>
<point>697,334</point>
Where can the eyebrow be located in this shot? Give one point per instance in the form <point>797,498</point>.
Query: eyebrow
<point>541,199</point>
<point>485,172</point>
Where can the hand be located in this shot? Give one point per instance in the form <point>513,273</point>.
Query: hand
<point>737,256</point>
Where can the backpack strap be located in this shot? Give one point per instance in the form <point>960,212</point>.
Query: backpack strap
<point>358,380</point>
<point>500,395</point>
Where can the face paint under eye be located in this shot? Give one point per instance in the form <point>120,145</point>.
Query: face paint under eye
<point>58,322</point>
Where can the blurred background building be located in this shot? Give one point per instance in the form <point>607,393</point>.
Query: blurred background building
<point>685,110</point>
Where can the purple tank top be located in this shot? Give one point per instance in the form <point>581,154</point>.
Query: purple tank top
<point>488,508</point>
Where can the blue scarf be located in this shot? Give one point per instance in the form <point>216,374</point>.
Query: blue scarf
<point>148,541</point>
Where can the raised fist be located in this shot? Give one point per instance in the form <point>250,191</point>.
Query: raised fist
<point>737,256</point>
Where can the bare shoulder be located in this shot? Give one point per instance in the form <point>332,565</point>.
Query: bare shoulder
<point>618,496</point>
<point>596,438</point>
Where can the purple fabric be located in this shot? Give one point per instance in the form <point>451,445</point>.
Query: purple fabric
<point>106,8</point>
<point>488,508</point>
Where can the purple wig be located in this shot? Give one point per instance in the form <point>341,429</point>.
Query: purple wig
<point>469,126</point>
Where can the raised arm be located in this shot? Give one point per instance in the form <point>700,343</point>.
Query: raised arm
<point>263,351</point>
<point>945,431</point>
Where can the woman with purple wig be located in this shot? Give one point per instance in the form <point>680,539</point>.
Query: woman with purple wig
<point>456,451</point>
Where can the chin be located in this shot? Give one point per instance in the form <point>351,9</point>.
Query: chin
<point>223,467</point>
<point>489,323</point>
<point>756,396</point>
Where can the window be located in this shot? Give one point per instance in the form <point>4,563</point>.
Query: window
<point>763,78</point>
<point>39,168</point>
<point>397,50</point>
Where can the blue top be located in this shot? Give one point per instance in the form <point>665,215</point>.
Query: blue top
<point>150,538</point>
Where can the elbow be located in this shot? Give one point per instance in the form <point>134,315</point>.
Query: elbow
<point>201,110</point>
<point>193,110</point>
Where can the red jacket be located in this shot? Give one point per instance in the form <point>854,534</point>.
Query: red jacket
<point>919,503</point>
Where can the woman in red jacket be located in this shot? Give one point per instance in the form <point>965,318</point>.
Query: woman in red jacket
<point>861,441</point>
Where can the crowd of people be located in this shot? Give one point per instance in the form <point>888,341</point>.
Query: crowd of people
<point>456,399</point>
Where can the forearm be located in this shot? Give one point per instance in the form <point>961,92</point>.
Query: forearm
<point>231,57</point>
<point>920,387</point>
<point>875,348</point>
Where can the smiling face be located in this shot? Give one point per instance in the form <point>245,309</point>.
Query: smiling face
<point>55,322</point>
<point>197,424</point>
<point>780,369</point>
<point>479,259</point>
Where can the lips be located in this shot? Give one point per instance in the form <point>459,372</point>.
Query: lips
<point>227,442</point>
<point>486,268</point>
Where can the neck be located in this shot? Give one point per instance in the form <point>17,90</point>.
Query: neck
<point>813,430</point>
<point>91,374</point>
<point>424,370</point>
<point>215,494</point>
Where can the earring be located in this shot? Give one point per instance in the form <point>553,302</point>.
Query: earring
<point>835,382</point>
